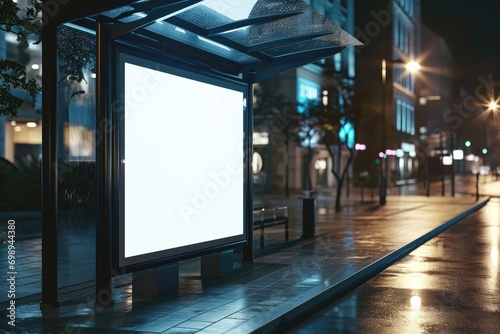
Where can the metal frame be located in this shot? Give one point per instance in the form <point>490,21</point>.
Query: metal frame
<point>49,170</point>
<point>127,53</point>
<point>104,168</point>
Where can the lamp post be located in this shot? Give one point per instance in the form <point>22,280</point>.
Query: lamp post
<point>412,67</point>
<point>441,144</point>
<point>383,166</point>
<point>493,106</point>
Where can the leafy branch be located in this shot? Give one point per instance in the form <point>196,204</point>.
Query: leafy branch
<point>24,24</point>
<point>29,24</point>
<point>76,53</point>
<point>13,75</point>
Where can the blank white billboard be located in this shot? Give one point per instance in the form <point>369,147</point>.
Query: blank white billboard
<point>183,162</point>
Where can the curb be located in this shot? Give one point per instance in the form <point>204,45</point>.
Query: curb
<point>300,312</point>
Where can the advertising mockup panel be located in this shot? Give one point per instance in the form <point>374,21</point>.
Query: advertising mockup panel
<point>181,162</point>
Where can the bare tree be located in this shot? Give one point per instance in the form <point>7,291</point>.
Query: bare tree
<point>335,123</point>
<point>273,112</point>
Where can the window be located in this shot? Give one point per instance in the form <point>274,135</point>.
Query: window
<point>405,116</point>
<point>402,36</point>
<point>404,78</point>
<point>408,6</point>
<point>412,117</point>
<point>409,118</point>
<point>396,31</point>
<point>398,115</point>
<point>337,62</point>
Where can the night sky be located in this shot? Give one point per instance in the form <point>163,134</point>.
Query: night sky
<point>471,29</point>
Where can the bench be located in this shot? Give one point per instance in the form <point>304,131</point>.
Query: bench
<point>270,217</point>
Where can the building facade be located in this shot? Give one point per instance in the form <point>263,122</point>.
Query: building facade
<point>282,163</point>
<point>391,34</point>
<point>438,94</point>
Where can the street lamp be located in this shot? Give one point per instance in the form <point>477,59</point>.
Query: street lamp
<point>493,105</point>
<point>382,179</point>
<point>411,66</point>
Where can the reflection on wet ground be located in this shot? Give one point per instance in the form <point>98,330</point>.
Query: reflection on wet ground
<point>451,284</point>
<point>282,280</point>
<point>280,283</point>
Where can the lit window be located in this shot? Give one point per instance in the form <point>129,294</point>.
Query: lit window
<point>337,62</point>
<point>408,119</point>
<point>403,117</point>
<point>396,31</point>
<point>412,120</point>
<point>398,115</point>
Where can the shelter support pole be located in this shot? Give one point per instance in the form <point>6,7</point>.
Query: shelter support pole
<point>104,170</point>
<point>49,304</point>
<point>248,249</point>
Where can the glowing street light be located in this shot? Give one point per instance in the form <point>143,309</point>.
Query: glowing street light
<point>413,66</point>
<point>493,106</point>
<point>360,147</point>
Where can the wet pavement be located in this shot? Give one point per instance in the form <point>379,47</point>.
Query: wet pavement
<point>287,281</point>
<point>451,284</point>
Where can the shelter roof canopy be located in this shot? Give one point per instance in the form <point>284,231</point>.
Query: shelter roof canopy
<point>257,38</point>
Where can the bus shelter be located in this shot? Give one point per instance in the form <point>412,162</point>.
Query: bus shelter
<point>147,127</point>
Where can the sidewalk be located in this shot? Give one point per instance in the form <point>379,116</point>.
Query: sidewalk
<point>286,282</point>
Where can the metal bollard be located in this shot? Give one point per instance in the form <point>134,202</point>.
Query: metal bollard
<point>308,215</point>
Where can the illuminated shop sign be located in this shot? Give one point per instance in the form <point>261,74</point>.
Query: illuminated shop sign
<point>307,92</point>
<point>260,138</point>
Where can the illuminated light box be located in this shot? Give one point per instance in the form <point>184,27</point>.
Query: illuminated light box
<point>447,160</point>
<point>182,173</point>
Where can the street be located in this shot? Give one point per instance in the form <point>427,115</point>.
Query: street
<point>450,284</point>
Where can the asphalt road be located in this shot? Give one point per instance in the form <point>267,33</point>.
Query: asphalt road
<point>451,284</point>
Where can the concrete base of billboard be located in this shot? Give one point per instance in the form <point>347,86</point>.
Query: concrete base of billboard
<point>217,264</point>
<point>153,282</point>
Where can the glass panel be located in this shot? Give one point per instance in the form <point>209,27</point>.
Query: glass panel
<point>117,11</point>
<point>275,29</point>
<point>326,42</point>
<point>76,156</point>
<point>174,32</point>
<point>211,14</point>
